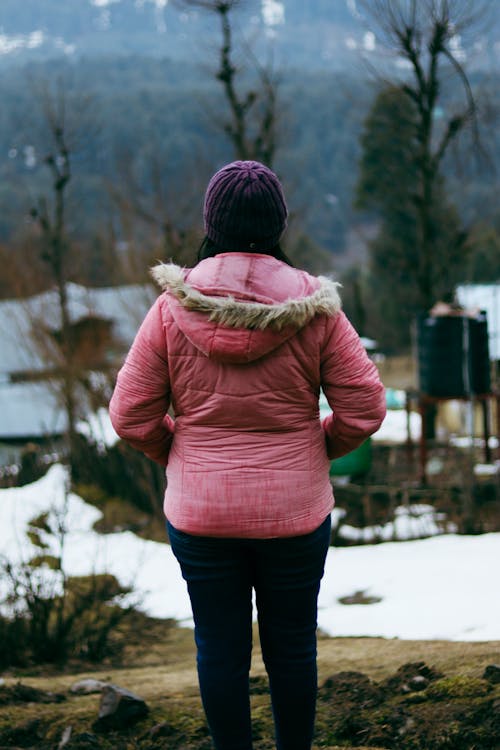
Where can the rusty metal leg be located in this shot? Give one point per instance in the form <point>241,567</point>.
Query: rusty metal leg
<point>486,431</point>
<point>409,441</point>
<point>423,441</point>
<point>497,404</point>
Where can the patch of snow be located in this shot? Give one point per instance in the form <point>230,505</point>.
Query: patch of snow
<point>410,522</point>
<point>103,3</point>
<point>435,588</point>
<point>394,426</point>
<point>337,515</point>
<point>394,429</point>
<point>368,343</point>
<point>98,427</point>
<point>351,4</point>
<point>369,42</point>
<point>10,44</point>
<point>30,159</point>
<point>273,13</point>
<point>464,441</point>
<point>35,39</point>
<point>148,567</point>
<point>487,470</point>
<point>429,589</point>
<point>456,48</point>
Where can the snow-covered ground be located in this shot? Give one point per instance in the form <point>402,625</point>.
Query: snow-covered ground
<point>444,587</point>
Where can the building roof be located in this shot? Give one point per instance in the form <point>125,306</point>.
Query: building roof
<point>30,410</point>
<point>33,409</point>
<point>23,349</point>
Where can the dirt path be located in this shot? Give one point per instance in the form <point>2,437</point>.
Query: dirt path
<point>163,673</point>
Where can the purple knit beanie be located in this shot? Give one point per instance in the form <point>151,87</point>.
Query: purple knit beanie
<point>244,207</point>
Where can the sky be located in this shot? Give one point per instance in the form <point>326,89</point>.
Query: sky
<point>436,588</point>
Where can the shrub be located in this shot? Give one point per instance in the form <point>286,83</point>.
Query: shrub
<point>47,616</point>
<point>119,471</point>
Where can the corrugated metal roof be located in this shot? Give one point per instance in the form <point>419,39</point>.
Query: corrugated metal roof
<point>30,410</point>
<point>23,348</point>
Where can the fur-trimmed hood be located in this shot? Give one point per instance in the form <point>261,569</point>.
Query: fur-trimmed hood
<point>239,306</point>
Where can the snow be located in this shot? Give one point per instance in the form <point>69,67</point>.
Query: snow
<point>273,12</point>
<point>438,588</point>
<point>97,426</point>
<point>410,522</point>
<point>149,567</point>
<point>10,44</point>
<point>393,428</point>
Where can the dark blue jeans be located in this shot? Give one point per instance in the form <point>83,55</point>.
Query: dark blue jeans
<point>286,575</point>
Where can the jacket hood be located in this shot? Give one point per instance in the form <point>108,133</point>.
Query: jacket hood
<point>237,307</point>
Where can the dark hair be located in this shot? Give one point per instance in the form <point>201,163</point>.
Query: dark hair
<point>209,249</point>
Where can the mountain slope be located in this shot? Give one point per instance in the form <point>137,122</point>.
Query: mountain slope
<point>316,34</point>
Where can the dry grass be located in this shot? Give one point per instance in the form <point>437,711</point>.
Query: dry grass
<point>380,657</point>
<point>161,669</point>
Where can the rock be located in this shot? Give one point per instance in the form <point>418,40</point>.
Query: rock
<point>119,708</point>
<point>419,682</point>
<point>66,736</point>
<point>88,686</point>
<point>411,677</point>
<point>360,597</point>
<point>492,673</point>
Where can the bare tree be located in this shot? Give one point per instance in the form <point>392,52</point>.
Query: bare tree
<point>426,35</point>
<point>51,221</point>
<point>50,216</point>
<point>151,203</point>
<point>252,123</point>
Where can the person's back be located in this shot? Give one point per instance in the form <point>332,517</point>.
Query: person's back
<point>240,347</point>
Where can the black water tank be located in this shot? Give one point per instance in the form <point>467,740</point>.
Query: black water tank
<point>453,355</point>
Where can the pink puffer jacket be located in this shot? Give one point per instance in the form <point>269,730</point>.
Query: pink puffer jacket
<point>239,347</point>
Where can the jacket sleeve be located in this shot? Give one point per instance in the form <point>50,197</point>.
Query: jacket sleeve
<point>140,401</point>
<point>352,387</point>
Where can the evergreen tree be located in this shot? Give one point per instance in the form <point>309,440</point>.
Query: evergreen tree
<point>388,186</point>
<point>420,251</point>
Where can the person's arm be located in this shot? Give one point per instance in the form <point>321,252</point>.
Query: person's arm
<point>351,384</point>
<point>140,401</point>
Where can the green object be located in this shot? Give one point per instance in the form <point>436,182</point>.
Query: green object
<point>356,462</point>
